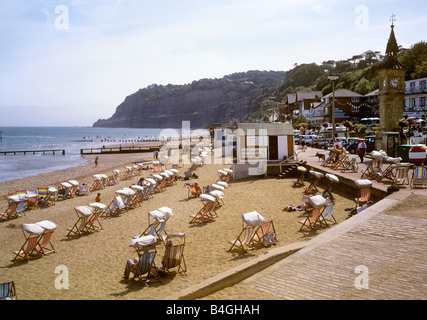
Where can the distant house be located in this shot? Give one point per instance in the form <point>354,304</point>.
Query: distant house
<point>347,105</point>
<point>416,98</point>
<point>304,100</point>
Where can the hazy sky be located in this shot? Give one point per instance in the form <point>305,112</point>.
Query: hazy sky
<point>71,62</point>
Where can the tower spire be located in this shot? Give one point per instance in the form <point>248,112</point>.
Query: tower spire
<point>392,47</point>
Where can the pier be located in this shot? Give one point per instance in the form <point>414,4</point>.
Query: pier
<point>24,152</point>
<point>118,150</point>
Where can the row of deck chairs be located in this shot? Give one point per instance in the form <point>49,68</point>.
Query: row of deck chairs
<point>20,201</point>
<point>256,231</point>
<point>37,240</point>
<point>395,171</point>
<point>211,201</point>
<point>317,176</point>
<point>340,160</point>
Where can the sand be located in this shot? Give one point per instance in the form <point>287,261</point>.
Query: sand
<point>95,262</point>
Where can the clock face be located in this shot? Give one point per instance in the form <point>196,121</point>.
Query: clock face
<point>394,82</point>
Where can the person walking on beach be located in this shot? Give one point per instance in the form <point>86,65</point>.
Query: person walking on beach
<point>96,161</point>
<point>361,149</point>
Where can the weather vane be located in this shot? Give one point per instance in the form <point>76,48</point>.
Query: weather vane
<point>392,19</point>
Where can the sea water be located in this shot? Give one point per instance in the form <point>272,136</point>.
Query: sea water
<point>70,139</point>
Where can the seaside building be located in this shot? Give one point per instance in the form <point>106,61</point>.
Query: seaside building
<point>259,144</point>
<point>416,98</point>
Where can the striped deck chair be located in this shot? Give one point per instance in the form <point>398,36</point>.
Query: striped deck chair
<point>364,195</point>
<point>81,225</point>
<point>333,180</point>
<point>245,238</point>
<point>312,188</point>
<point>389,171</point>
<point>174,254</point>
<point>146,266</point>
<point>329,159</point>
<point>350,165</point>
<point>8,291</point>
<point>113,179</point>
<point>419,178</point>
<point>11,212</point>
<point>32,233</point>
<point>74,187</point>
<point>300,181</point>
<point>327,214</point>
<point>45,246</point>
<point>98,209</point>
<point>207,212</point>
<point>401,174</point>
<point>115,207</point>
<point>96,181</point>
<point>343,157</point>
<point>313,213</point>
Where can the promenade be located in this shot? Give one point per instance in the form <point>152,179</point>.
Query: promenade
<point>379,254</point>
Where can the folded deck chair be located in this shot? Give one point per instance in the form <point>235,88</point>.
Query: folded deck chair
<point>350,165</point>
<point>81,225</point>
<point>401,174</point>
<point>266,234</point>
<point>207,212</point>
<point>312,188</point>
<point>45,245</point>
<point>364,186</point>
<point>32,234</point>
<point>301,173</point>
<point>333,180</point>
<point>8,291</point>
<point>145,269</point>
<point>313,213</point>
<point>251,222</point>
<point>419,178</point>
<point>173,257</point>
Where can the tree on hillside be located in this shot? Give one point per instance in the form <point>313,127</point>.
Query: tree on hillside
<point>415,60</point>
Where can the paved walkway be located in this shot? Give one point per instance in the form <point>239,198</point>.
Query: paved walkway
<point>381,253</point>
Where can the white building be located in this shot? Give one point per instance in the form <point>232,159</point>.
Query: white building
<point>416,98</point>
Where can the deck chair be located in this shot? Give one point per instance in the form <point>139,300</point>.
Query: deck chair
<point>74,187</point>
<point>8,291</point>
<point>419,178</point>
<point>81,225</point>
<point>373,170</point>
<point>64,191</point>
<point>192,192</point>
<point>266,234</point>
<point>174,254</point>
<point>389,171</point>
<point>12,210</point>
<point>127,174</point>
<point>333,180</point>
<point>146,249</point>
<point>301,174</point>
<point>364,192</point>
<point>327,214</point>
<point>28,250</point>
<point>313,213</point>
<point>312,188</point>
<point>139,195</point>
<point>251,222</point>
<point>33,198</point>
<point>341,162</point>
<point>115,207</point>
<point>330,158</point>
<point>96,181</point>
<point>350,165</point>
<point>45,246</point>
<point>401,174</point>
<point>219,198</point>
<point>127,195</point>
<point>207,212</point>
<point>156,166</point>
<point>93,222</point>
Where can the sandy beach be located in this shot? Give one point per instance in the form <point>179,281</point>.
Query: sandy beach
<point>96,261</point>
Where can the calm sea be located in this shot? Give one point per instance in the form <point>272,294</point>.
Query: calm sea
<point>70,139</point>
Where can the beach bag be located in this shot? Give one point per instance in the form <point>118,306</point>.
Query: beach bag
<point>269,239</point>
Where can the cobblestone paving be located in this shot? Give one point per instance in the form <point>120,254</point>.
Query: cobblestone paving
<point>390,251</point>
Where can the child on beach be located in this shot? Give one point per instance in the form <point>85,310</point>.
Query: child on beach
<point>98,198</point>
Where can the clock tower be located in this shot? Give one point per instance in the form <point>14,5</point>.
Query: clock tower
<point>391,94</point>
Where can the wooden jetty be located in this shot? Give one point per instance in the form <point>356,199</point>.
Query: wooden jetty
<point>54,152</point>
<point>118,150</point>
